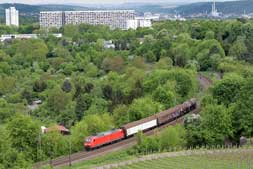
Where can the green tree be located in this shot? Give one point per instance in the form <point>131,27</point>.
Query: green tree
<point>98,106</point>
<point>239,49</point>
<point>143,107</point>
<point>30,51</point>
<point>164,63</point>
<point>39,85</point>
<point>113,64</point>
<point>150,56</point>
<point>23,132</point>
<point>216,124</point>
<point>98,123</point>
<point>78,133</point>
<point>71,30</point>
<point>9,157</point>
<point>164,97</point>
<point>120,115</point>
<point>7,84</point>
<point>54,144</point>
<point>209,52</point>
<point>242,113</point>
<point>66,86</point>
<point>209,35</point>
<point>62,52</point>
<point>58,100</point>
<point>173,137</point>
<point>83,103</point>
<point>226,91</point>
<point>181,54</point>
<point>6,111</point>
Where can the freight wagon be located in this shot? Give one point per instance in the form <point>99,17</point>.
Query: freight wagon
<point>132,128</point>
<point>141,125</point>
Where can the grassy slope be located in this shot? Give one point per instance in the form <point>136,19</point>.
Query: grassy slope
<point>243,160</point>
<point>231,161</point>
<point>103,160</point>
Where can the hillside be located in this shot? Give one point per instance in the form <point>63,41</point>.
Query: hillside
<point>25,9</point>
<point>236,7</point>
<point>76,82</point>
<point>30,13</point>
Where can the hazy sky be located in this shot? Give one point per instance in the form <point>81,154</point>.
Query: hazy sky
<point>94,1</point>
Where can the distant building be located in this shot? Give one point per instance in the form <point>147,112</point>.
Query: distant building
<point>139,22</point>
<point>7,37</point>
<point>246,16</point>
<point>112,18</point>
<point>35,105</point>
<point>214,12</point>
<point>132,24</point>
<point>52,19</point>
<point>153,17</point>
<point>109,44</point>
<point>12,16</point>
<point>57,128</point>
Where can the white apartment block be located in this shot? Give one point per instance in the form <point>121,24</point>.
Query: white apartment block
<point>12,16</point>
<point>52,19</point>
<point>113,18</point>
<point>139,22</point>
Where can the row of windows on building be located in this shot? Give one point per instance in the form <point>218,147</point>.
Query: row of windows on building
<point>114,19</point>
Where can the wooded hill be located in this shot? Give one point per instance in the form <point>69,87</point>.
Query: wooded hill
<point>236,7</point>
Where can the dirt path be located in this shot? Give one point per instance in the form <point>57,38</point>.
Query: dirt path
<point>204,82</point>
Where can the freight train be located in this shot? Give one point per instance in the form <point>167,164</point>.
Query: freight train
<point>128,130</point>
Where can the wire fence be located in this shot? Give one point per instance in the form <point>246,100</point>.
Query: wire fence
<point>225,157</point>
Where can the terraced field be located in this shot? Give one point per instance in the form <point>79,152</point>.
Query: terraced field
<point>188,163</point>
<point>214,161</point>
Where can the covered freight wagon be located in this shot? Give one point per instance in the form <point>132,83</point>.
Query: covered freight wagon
<point>176,112</point>
<point>169,115</point>
<point>141,125</point>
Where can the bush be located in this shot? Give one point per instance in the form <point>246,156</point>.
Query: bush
<point>170,138</point>
<point>173,137</point>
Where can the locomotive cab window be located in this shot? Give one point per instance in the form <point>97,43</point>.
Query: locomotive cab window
<point>88,140</point>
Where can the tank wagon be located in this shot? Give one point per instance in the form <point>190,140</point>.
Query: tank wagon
<point>132,128</point>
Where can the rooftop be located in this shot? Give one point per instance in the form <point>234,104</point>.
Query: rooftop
<point>88,11</point>
<point>59,128</point>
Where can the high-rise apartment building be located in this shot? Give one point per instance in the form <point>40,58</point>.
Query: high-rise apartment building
<point>12,16</point>
<point>113,18</point>
<point>52,19</point>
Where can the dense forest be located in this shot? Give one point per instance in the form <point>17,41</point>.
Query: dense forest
<point>89,88</point>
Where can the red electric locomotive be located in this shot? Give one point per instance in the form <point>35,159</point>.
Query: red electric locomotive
<point>103,138</point>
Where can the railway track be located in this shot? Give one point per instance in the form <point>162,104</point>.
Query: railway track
<point>204,82</point>
<point>84,155</point>
<point>123,144</point>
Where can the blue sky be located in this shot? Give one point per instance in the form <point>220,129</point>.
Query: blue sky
<point>96,1</point>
